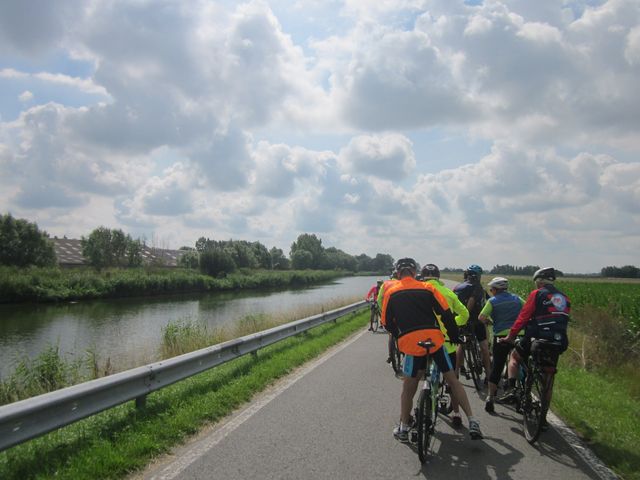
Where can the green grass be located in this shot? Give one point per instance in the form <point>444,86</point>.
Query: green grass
<point>35,284</point>
<point>604,412</point>
<point>117,442</point>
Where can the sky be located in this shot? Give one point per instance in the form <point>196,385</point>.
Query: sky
<point>487,132</point>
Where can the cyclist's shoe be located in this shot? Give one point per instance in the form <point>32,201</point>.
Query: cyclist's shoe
<point>508,397</point>
<point>401,432</point>
<point>456,421</point>
<point>389,359</point>
<point>545,425</point>
<point>474,430</point>
<point>370,329</point>
<point>488,407</point>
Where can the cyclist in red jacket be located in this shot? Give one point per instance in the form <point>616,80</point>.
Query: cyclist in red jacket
<point>544,315</point>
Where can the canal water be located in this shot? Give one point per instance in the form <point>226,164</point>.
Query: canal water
<point>128,332</point>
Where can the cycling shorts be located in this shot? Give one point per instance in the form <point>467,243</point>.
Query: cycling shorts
<point>479,329</point>
<point>413,365</point>
<point>500,355</point>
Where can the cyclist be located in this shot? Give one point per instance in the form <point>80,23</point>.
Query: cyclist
<point>409,312</point>
<point>386,285</point>
<point>503,309</point>
<point>372,297</point>
<point>544,315</point>
<point>431,274</point>
<point>473,296</point>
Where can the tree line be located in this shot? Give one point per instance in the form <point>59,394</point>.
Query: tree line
<point>628,271</point>
<point>23,244</point>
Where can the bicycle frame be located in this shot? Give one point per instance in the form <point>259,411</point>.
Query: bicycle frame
<point>472,359</point>
<point>426,411</point>
<point>535,385</point>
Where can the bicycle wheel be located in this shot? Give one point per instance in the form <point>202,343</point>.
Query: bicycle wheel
<point>444,399</point>
<point>396,358</point>
<point>471,359</point>
<point>375,323</point>
<point>425,423</point>
<point>534,407</point>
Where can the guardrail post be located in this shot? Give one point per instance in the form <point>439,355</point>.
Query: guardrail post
<point>141,402</point>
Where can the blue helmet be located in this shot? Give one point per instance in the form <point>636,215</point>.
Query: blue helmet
<point>475,269</point>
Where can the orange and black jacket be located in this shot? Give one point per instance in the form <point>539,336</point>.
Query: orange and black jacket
<point>409,310</point>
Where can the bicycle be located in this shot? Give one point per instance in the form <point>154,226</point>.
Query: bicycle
<point>426,410</point>
<point>374,320</point>
<point>535,384</point>
<point>395,356</point>
<point>472,359</point>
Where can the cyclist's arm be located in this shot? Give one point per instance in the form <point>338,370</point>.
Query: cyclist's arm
<point>485,314</point>
<point>458,308</point>
<point>528,309</point>
<point>446,317</point>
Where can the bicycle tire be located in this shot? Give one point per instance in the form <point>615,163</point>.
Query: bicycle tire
<point>471,357</point>
<point>396,358</point>
<point>534,408</point>
<point>376,320</point>
<point>425,424</point>
<point>445,405</point>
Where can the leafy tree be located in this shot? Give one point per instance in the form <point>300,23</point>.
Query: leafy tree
<point>627,271</point>
<point>301,259</point>
<point>278,259</point>
<point>111,248</point>
<point>189,259</point>
<point>337,259</point>
<point>311,244</point>
<point>365,263</point>
<point>23,244</point>
<point>382,263</point>
<point>216,261</point>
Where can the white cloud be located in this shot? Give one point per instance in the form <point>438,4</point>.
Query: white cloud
<point>387,156</point>
<point>267,133</point>
<point>25,96</point>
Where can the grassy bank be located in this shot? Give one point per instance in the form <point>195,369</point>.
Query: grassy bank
<point>50,370</point>
<point>121,440</point>
<point>54,284</point>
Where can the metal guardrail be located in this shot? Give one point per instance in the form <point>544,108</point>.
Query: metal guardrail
<point>30,418</point>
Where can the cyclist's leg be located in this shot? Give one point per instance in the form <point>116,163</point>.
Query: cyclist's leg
<point>413,371</point>
<point>480,331</point>
<point>500,354</point>
<point>459,359</point>
<point>442,360</point>
<point>371,317</point>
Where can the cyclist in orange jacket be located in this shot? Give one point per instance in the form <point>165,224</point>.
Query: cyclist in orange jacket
<point>410,311</point>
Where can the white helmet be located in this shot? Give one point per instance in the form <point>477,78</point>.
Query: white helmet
<point>499,283</point>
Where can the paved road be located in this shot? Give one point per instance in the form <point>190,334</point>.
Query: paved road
<point>333,420</point>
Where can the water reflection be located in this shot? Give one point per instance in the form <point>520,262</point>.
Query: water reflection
<point>128,331</point>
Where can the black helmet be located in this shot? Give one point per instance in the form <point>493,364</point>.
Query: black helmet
<point>547,273</point>
<point>430,271</point>
<point>406,264</point>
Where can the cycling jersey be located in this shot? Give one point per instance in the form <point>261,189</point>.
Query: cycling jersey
<point>409,310</point>
<point>465,291</point>
<point>503,308</point>
<point>386,285</point>
<point>456,306</point>
<point>373,293</point>
<point>546,309</point>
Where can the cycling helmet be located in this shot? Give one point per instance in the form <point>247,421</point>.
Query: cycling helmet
<point>430,271</point>
<point>406,264</point>
<point>477,269</point>
<point>547,273</point>
<point>499,283</point>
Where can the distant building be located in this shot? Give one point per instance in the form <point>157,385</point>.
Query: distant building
<point>69,254</point>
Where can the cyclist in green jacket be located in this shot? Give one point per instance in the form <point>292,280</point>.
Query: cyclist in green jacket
<point>431,274</point>
<point>503,309</point>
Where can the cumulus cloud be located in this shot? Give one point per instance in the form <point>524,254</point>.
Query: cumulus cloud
<point>388,156</point>
<point>269,132</point>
